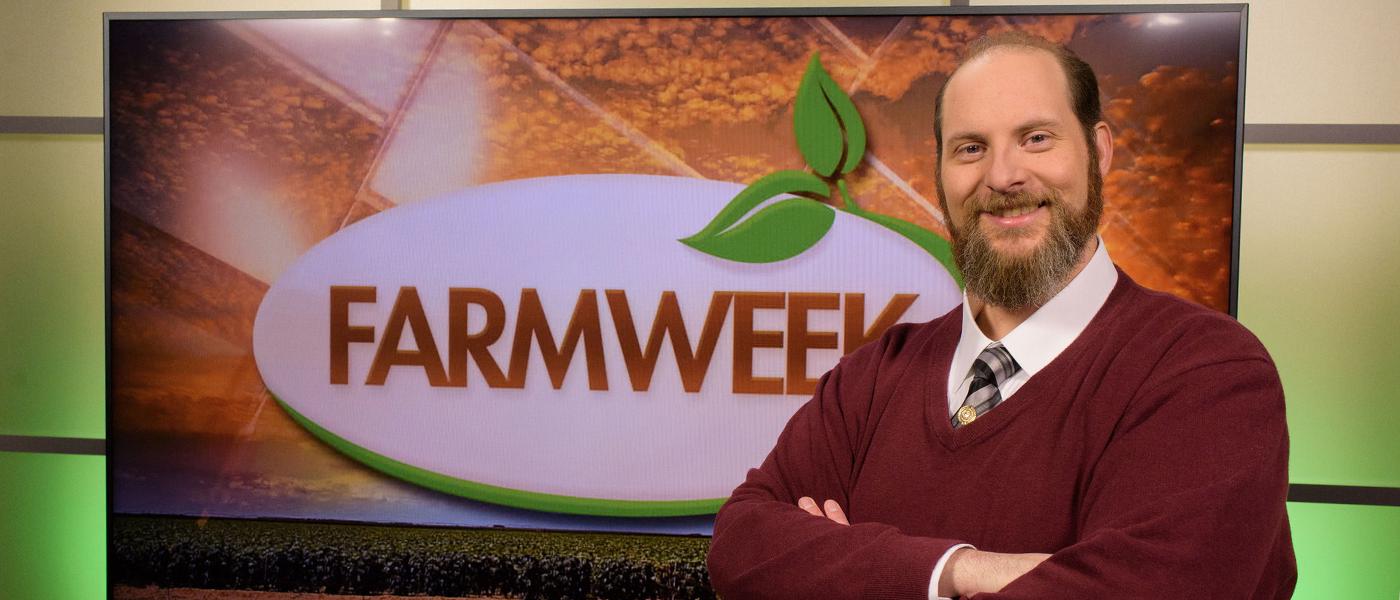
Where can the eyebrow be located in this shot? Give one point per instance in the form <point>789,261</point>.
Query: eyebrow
<point>961,137</point>
<point>1035,124</point>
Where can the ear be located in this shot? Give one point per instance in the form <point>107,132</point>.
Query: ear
<point>1103,140</point>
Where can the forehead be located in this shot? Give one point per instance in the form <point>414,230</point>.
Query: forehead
<point>1005,87</point>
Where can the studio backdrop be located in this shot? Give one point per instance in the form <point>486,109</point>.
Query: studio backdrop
<point>563,271</point>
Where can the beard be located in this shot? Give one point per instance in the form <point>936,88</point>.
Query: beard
<point>1018,282</point>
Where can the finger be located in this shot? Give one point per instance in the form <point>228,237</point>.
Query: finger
<point>834,512</point>
<point>809,505</point>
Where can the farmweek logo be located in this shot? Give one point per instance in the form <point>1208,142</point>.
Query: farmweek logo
<point>585,328</point>
<point>831,137</point>
<point>520,343</point>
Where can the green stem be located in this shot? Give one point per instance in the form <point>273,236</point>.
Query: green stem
<point>848,204</point>
<point>929,241</point>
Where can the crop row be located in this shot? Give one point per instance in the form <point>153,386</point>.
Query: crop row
<point>371,560</point>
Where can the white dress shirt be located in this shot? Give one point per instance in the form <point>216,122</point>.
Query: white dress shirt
<point>1034,344</point>
<point>1040,338</point>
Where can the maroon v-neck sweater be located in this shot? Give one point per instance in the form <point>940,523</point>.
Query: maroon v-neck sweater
<point>1150,458</point>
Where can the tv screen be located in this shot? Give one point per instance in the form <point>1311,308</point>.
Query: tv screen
<point>502,304</point>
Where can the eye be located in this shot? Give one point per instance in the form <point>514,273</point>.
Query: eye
<point>1037,139</point>
<point>969,149</point>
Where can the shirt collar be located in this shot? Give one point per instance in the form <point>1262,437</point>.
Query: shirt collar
<point>1051,328</point>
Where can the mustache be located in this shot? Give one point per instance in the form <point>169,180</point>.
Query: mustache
<point>997,201</point>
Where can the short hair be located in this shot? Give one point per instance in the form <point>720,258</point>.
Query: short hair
<point>1083,85</point>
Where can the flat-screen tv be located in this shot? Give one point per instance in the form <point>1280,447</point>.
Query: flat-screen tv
<point>506,303</point>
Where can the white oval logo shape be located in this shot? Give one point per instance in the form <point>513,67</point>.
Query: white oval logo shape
<point>400,340</point>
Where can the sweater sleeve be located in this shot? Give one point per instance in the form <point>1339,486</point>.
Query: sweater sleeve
<point>1188,498</point>
<point>764,546</point>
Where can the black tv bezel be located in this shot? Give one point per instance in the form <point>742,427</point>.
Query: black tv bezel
<point>1032,10</point>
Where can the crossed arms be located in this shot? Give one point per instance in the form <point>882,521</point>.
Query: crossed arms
<point>966,572</point>
<point>1176,505</point>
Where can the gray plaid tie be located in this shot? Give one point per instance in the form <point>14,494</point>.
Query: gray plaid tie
<point>992,367</point>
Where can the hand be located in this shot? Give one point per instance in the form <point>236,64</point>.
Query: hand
<point>969,571</point>
<point>833,510</point>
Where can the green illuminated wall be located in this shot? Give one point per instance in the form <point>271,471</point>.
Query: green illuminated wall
<point>1319,275</point>
<point>1346,551</point>
<point>1320,285</point>
<point>52,526</point>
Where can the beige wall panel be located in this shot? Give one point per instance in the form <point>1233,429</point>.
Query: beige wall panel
<point>1310,61</point>
<point>52,49</point>
<point>1323,62</point>
<point>51,294</point>
<point>1319,280</point>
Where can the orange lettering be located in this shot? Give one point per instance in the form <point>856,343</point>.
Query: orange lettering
<point>462,344</point>
<point>746,340</point>
<point>407,309</point>
<point>856,334</point>
<point>531,324</point>
<point>800,340</point>
<point>692,364</point>
<point>342,334</point>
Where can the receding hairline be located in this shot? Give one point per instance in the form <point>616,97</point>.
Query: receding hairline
<point>1014,38</point>
<point>989,54</point>
<point>1068,64</point>
<point>977,54</point>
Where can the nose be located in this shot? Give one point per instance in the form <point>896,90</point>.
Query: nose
<point>1006,173</point>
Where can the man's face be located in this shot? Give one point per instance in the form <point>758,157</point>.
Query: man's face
<point>1018,185</point>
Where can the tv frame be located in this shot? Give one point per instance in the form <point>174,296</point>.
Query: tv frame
<point>813,11</point>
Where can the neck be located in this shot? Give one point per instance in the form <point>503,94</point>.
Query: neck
<point>998,321</point>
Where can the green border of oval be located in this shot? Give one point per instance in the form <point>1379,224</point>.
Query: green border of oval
<point>575,505</point>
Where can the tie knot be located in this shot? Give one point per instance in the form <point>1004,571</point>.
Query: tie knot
<point>991,369</point>
<point>995,363</point>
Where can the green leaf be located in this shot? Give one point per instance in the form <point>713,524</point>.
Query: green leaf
<point>850,121</point>
<point>928,240</point>
<point>773,184</point>
<point>777,232</point>
<point>830,133</point>
<point>936,246</point>
<point>815,122</point>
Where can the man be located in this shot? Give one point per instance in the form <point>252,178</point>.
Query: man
<point>1065,433</point>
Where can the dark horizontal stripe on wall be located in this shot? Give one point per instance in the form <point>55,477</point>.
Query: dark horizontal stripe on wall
<point>51,125</point>
<point>52,445</point>
<point>1265,133</point>
<point>1297,492</point>
<point>1344,494</point>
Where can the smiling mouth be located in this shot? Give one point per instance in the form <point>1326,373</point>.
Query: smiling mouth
<point>1015,211</point>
